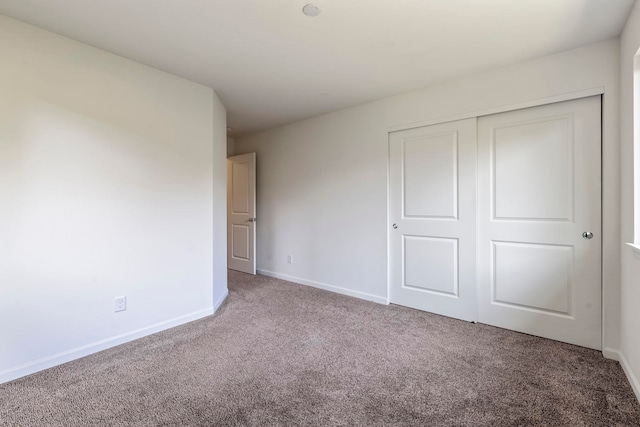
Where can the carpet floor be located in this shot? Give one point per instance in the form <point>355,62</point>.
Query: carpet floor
<point>278,353</point>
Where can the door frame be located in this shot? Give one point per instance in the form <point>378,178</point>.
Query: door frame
<point>607,175</point>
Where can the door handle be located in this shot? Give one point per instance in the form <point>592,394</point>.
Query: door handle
<point>252,219</point>
<point>587,235</point>
<point>395,226</point>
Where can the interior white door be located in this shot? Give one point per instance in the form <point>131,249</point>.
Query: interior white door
<point>432,189</point>
<point>539,190</point>
<point>241,213</point>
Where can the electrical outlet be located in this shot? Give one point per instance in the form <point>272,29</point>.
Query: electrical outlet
<point>121,304</point>
<point>289,259</point>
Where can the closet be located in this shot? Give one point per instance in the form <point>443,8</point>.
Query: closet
<point>497,219</point>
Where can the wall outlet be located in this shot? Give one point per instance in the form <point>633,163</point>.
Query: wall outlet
<point>289,259</point>
<point>121,304</point>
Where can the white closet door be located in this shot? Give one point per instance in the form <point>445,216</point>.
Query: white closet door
<point>433,218</point>
<point>539,191</point>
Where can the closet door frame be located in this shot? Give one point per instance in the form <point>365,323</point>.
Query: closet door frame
<point>610,255</point>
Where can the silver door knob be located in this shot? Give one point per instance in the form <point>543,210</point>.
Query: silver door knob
<point>252,220</point>
<point>587,235</point>
<point>395,226</point>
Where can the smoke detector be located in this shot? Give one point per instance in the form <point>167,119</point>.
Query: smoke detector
<point>311,10</point>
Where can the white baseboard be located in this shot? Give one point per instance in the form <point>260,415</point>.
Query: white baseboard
<point>78,352</point>
<point>326,287</point>
<point>635,384</point>
<point>610,353</point>
<point>219,301</point>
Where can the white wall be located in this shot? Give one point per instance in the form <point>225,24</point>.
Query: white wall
<point>111,177</point>
<point>630,291</point>
<point>322,182</point>
<point>231,142</point>
<point>219,166</point>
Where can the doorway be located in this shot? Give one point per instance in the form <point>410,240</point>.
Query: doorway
<point>241,213</point>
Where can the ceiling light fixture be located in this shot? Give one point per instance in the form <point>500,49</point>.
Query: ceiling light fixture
<point>311,10</point>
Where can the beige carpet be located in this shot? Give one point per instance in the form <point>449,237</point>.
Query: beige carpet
<point>277,353</point>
